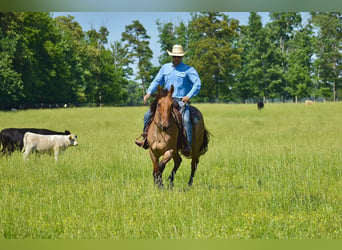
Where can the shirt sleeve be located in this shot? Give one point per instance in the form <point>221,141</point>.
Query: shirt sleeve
<point>196,81</point>
<point>158,80</point>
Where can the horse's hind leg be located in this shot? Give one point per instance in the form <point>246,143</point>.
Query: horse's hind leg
<point>177,161</point>
<point>194,164</point>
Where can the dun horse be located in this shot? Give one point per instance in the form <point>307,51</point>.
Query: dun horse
<point>163,137</point>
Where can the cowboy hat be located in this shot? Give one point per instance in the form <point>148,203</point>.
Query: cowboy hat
<point>177,50</point>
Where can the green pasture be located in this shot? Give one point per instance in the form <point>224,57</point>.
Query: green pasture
<point>269,174</point>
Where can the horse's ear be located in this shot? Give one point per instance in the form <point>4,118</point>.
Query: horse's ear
<point>159,88</point>
<point>171,90</point>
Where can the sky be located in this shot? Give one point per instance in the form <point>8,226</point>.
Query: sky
<point>116,22</point>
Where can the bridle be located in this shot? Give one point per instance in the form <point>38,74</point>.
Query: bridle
<point>158,123</point>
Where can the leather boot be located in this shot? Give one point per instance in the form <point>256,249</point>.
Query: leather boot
<point>143,142</point>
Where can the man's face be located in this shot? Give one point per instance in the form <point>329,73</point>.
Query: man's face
<point>176,60</point>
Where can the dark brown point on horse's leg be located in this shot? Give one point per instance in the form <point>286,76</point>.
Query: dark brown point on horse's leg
<point>193,170</point>
<point>158,181</point>
<point>171,178</point>
<point>190,181</point>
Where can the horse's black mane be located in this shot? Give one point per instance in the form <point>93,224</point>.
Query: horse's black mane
<point>161,93</point>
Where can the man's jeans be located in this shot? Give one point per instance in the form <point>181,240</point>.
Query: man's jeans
<point>185,110</point>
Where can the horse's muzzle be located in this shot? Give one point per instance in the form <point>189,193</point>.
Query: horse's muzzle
<point>164,127</point>
<point>164,124</point>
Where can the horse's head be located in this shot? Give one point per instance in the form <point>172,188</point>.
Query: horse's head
<point>164,108</point>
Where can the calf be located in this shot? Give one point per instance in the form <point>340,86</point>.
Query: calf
<point>309,102</point>
<point>12,138</point>
<point>55,143</point>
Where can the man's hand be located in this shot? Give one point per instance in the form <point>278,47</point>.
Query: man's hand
<point>146,97</point>
<point>185,99</point>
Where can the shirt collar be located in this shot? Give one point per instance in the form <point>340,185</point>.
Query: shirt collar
<point>181,63</point>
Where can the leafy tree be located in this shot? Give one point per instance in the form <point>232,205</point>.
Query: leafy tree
<point>250,79</point>
<point>298,75</point>
<point>167,38</point>
<point>112,85</point>
<point>69,60</point>
<point>213,52</point>
<point>137,44</point>
<point>33,58</point>
<point>133,93</point>
<point>121,59</point>
<point>107,84</point>
<point>280,31</point>
<point>328,66</point>
<point>182,36</point>
<point>11,85</point>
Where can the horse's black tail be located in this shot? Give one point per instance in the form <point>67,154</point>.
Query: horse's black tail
<point>206,138</point>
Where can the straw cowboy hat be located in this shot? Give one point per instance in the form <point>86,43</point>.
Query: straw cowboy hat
<point>177,50</point>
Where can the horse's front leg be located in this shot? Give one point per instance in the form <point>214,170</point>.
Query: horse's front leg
<point>155,163</point>
<point>177,161</point>
<point>158,167</point>
<point>167,156</point>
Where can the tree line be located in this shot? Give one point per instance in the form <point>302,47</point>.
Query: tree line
<point>46,60</point>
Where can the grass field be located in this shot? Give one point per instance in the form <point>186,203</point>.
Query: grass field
<point>270,174</point>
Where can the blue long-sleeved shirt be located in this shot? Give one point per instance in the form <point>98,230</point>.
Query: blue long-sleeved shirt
<point>184,78</point>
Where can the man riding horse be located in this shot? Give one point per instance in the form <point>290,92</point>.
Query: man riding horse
<point>187,84</point>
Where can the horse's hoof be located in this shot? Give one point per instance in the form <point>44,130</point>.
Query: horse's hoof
<point>158,182</point>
